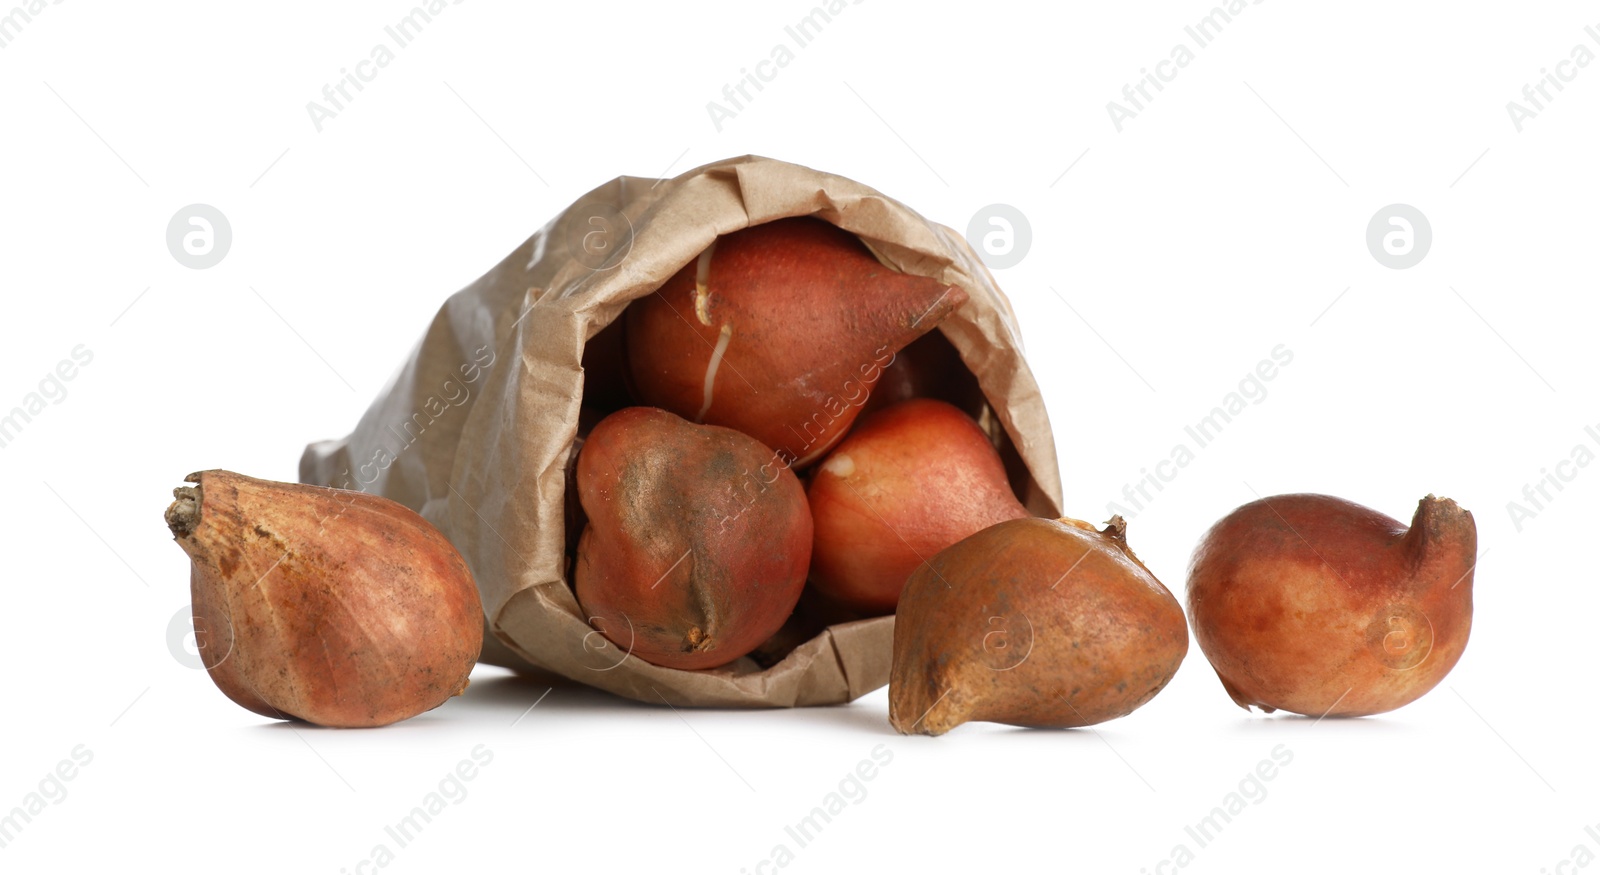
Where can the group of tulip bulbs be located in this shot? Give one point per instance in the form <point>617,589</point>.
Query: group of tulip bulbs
<point>1305,603</point>
<point>776,430</point>
<point>788,444</point>
<point>776,441</point>
<point>790,437</point>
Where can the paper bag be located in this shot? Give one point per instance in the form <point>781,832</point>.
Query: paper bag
<point>477,430</point>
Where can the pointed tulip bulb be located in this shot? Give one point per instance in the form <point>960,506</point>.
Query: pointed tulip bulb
<point>1032,622</point>
<point>779,330</point>
<point>1319,606</point>
<point>325,605</point>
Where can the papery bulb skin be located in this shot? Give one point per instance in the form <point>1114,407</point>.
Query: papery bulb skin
<point>1032,622</point>
<point>329,606</point>
<point>1318,606</point>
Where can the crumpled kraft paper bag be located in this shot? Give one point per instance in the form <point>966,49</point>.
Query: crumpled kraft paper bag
<point>476,429</point>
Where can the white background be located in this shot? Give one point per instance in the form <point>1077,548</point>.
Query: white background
<point>1224,219</point>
